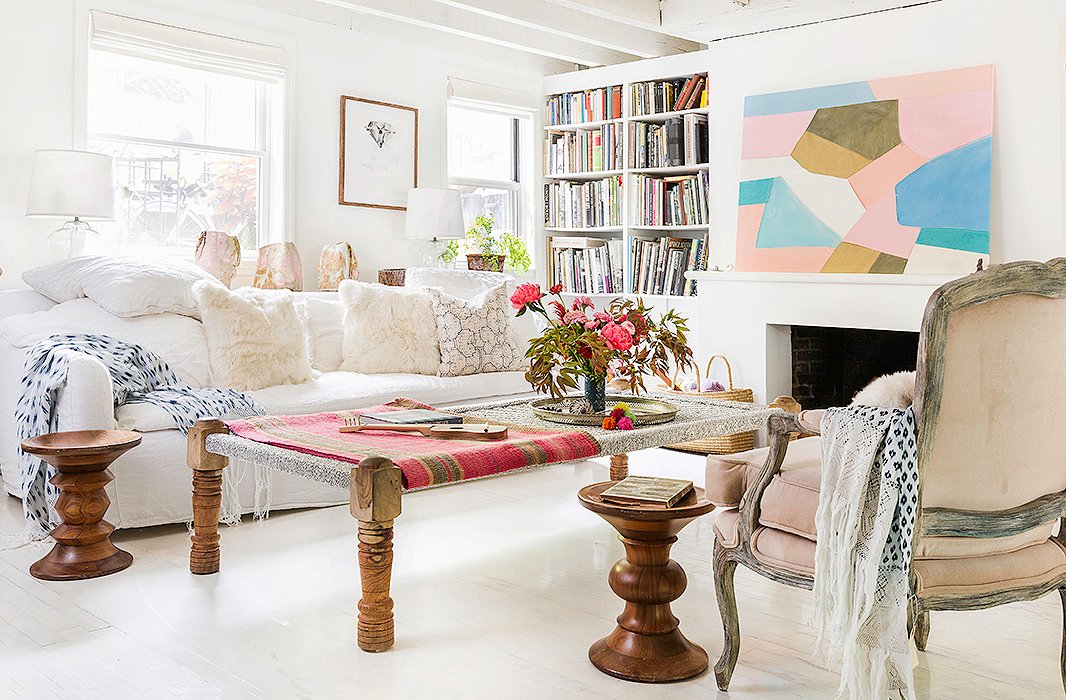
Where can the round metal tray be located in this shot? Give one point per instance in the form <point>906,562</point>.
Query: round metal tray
<point>645,411</point>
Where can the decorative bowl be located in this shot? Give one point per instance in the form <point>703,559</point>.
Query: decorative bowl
<point>645,411</point>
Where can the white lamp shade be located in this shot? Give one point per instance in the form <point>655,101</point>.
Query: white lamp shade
<point>434,213</point>
<point>65,184</point>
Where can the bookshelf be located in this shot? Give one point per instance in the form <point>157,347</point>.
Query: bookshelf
<point>652,132</point>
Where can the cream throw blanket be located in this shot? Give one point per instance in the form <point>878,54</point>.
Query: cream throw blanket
<point>865,522</point>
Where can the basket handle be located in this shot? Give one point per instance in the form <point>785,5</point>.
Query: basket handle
<point>728,368</point>
<point>677,370</point>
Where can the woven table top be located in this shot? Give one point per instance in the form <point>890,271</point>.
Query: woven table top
<point>697,418</point>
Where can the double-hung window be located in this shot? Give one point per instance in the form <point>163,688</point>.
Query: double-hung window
<point>489,149</point>
<point>194,122</point>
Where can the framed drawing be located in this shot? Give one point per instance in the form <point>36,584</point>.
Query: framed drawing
<point>378,153</point>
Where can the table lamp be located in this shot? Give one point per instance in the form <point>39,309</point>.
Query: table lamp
<point>78,185</point>
<point>434,215</point>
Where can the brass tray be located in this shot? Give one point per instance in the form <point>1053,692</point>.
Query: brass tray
<point>645,411</point>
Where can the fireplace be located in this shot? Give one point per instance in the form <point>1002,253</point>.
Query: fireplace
<point>829,364</point>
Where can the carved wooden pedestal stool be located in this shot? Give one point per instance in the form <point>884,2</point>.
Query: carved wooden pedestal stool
<point>647,645</point>
<point>83,546</point>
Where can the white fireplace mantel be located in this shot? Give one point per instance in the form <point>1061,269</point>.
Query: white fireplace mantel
<point>748,316</point>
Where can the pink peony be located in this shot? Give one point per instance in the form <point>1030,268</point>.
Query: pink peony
<point>629,327</point>
<point>575,317</point>
<point>525,295</point>
<point>616,337</point>
<point>625,423</point>
<point>591,325</point>
<point>581,303</point>
<point>602,316</point>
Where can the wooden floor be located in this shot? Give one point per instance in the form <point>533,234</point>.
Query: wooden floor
<point>500,587</point>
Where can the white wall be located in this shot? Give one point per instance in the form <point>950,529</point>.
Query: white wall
<point>39,99</point>
<point>1024,40</point>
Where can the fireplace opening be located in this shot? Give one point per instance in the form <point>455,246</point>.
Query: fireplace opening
<point>830,365</point>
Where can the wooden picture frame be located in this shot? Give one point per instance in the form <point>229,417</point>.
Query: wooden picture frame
<point>373,168</point>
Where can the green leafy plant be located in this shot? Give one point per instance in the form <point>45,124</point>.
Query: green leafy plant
<point>623,341</point>
<point>481,238</point>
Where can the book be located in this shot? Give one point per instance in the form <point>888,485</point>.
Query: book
<point>409,416</point>
<point>647,490</point>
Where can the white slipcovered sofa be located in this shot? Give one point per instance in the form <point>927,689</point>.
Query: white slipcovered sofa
<point>152,482</point>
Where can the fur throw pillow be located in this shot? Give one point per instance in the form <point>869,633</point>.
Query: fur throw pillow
<point>388,329</point>
<point>890,391</point>
<point>254,337</point>
<point>475,336</point>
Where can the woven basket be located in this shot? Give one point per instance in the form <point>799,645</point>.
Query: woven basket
<point>726,444</point>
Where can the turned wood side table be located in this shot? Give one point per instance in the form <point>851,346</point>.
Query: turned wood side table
<point>83,546</point>
<point>647,645</point>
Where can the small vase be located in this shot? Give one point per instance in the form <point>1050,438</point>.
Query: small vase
<point>596,393</point>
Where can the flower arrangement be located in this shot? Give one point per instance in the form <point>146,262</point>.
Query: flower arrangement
<point>622,341</point>
<point>620,418</point>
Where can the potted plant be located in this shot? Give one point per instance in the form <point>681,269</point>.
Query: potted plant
<point>623,341</point>
<point>489,250</point>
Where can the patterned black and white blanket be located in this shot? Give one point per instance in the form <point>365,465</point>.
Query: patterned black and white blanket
<point>865,522</point>
<point>137,376</point>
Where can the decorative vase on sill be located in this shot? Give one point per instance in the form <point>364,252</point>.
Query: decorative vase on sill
<point>490,263</point>
<point>596,392</point>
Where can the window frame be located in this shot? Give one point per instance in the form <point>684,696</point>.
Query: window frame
<point>275,125</point>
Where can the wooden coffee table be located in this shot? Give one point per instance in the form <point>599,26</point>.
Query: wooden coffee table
<point>647,645</point>
<point>83,546</point>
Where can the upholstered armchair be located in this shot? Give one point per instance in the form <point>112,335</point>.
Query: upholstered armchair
<point>990,403</point>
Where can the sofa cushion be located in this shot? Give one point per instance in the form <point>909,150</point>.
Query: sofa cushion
<point>388,329</point>
<point>324,320</point>
<point>474,336</point>
<point>335,391</point>
<point>1030,566</point>
<point>728,476</point>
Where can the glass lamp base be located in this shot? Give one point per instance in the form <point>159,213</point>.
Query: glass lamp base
<point>72,239</point>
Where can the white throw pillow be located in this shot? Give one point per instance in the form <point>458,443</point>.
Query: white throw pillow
<point>124,286</point>
<point>388,330</point>
<point>474,335</point>
<point>179,340</point>
<point>254,337</point>
<point>325,333</point>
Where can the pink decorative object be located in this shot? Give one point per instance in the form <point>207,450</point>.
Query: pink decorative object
<point>279,267</point>
<point>337,263</point>
<point>219,254</point>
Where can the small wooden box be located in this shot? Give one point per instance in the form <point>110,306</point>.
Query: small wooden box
<point>392,276</point>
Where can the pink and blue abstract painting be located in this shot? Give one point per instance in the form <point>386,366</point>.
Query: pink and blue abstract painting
<point>884,176</point>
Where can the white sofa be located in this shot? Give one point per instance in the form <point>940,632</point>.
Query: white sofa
<point>152,482</point>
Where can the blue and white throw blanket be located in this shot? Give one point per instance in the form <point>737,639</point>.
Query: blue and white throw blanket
<point>865,522</point>
<point>137,376</point>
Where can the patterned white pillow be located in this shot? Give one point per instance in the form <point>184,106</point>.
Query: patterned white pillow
<point>475,335</point>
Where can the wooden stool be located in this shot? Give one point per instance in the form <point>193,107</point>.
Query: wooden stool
<point>83,542</point>
<point>647,645</point>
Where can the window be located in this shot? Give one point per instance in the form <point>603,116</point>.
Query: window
<point>194,123</point>
<point>488,162</point>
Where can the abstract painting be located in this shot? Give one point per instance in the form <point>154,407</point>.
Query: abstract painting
<point>884,176</point>
<point>378,153</point>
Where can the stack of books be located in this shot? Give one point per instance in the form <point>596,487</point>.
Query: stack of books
<point>658,266</point>
<point>591,204</point>
<point>585,150</point>
<point>658,96</point>
<point>587,106</point>
<point>677,141</point>
<point>671,201</point>
<point>585,265</point>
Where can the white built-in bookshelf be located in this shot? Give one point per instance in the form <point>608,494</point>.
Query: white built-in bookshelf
<point>617,193</point>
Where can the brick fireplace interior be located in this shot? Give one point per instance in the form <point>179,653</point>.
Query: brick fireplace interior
<point>829,365</point>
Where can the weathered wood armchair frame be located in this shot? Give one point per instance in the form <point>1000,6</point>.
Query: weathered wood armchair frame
<point>1045,280</point>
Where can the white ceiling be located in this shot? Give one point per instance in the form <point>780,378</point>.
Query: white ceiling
<point>565,34</point>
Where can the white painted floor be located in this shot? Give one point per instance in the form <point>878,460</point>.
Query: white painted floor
<point>500,587</point>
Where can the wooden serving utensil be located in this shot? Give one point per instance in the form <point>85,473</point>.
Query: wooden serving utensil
<point>443,431</point>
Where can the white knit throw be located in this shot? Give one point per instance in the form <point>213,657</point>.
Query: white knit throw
<point>865,521</point>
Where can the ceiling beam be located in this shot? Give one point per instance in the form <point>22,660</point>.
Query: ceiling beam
<point>578,24</point>
<point>480,27</point>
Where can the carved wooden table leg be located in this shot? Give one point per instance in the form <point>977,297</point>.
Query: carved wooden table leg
<point>206,496</point>
<point>83,546</point>
<point>375,502</point>
<point>619,467</point>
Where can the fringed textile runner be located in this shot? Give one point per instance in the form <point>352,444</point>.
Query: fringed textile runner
<point>424,461</point>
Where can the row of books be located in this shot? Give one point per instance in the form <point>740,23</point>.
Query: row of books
<point>583,204</point>
<point>587,106</point>
<point>671,201</point>
<point>584,150</point>
<point>658,266</point>
<point>677,141</point>
<point>585,265</point>
<point>658,96</point>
